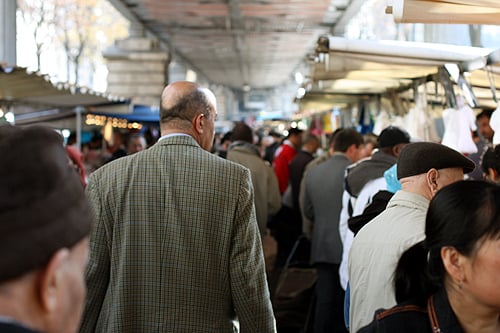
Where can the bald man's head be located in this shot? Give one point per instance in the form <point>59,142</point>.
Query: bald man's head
<point>187,108</point>
<point>185,100</point>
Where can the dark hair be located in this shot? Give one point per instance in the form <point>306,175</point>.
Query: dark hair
<point>331,139</point>
<point>294,131</point>
<point>242,132</point>
<point>491,159</point>
<point>187,107</point>
<point>308,137</point>
<point>346,138</point>
<point>485,113</point>
<point>227,137</point>
<point>460,215</point>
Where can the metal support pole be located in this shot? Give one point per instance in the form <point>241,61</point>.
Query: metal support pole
<point>8,32</point>
<point>78,111</point>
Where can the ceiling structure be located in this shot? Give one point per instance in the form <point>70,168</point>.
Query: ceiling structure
<point>240,43</point>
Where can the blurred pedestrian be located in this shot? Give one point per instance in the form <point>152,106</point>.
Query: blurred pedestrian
<point>267,195</point>
<point>324,185</point>
<point>490,164</point>
<point>136,143</point>
<point>271,148</point>
<point>75,160</point>
<point>284,155</point>
<point>225,142</point>
<point>265,183</point>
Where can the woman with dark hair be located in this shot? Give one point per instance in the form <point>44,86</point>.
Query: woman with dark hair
<point>491,164</point>
<point>450,282</point>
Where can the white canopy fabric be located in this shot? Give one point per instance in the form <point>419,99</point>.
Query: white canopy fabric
<point>446,11</point>
<point>353,69</point>
<point>368,66</point>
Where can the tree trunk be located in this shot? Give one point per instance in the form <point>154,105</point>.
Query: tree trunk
<point>76,68</point>
<point>38,56</point>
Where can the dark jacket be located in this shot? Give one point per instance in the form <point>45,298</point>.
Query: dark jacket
<point>410,318</point>
<point>367,169</point>
<point>12,327</point>
<point>296,168</point>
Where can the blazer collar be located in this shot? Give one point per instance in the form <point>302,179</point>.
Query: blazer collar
<point>178,140</point>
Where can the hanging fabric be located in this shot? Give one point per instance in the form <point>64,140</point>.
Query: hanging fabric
<point>419,120</point>
<point>459,124</point>
<point>495,125</point>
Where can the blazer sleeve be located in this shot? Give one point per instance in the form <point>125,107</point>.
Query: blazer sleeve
<point>249,288</point>
<point>97,272</point>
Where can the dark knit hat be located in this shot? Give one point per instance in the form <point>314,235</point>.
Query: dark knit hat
<point>42,204</point>
<point>419,157</point>
<point>392,136</point>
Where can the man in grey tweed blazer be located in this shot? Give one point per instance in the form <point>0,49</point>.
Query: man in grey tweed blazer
<point>176,247</point>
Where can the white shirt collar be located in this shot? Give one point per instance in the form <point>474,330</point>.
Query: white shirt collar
<point>172,134</point>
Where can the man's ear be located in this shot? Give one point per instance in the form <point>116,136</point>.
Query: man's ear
<point>453,263</point>
<point>49,280</point>
<point>199,122</point>
<point>396,150</point>
<point>432,176</point>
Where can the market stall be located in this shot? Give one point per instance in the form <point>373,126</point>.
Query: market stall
<point>395,76</point>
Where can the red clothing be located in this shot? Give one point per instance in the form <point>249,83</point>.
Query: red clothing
<point>284,154</point>
<point>76,157</point>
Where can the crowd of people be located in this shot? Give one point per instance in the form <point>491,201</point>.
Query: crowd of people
<point>404,237</point>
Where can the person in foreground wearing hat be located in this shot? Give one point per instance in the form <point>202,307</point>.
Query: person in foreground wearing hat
<point>449,282</point>
<point>45,220</point>
<point>423,169</point>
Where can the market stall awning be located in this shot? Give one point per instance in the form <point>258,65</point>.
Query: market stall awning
<point>445,11</point>
<point>21,87</point>
<point>348,69</point>
<point>140,113</point>
<point>35,98</point>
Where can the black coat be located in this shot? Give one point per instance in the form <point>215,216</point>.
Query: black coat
<point>14,328</point>
<point>411,318</point>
